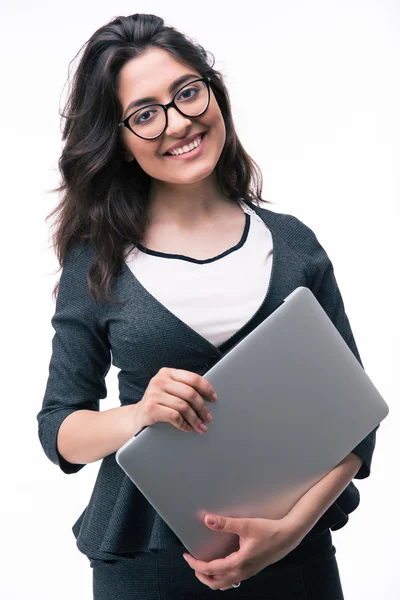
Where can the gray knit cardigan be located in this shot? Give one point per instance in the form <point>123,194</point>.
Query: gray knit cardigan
<point>139,335</point>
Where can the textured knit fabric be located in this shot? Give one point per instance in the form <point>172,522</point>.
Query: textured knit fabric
<point>140,335</point>
<point>215,296</point>
<point>310,572</point>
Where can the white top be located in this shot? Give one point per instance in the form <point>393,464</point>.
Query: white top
<point>216,296</point>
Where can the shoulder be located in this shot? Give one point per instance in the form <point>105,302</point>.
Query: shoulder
<point>73,286</point>
<point>79,255</point>
<point>296,235</point>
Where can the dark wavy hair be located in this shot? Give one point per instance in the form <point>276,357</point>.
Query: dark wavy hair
<point>103,198</point>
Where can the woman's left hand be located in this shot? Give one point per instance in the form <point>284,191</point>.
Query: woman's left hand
<point>262,543</point>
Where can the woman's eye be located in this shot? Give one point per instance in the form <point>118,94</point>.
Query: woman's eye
<point>140,118</point>
<point>188,97</point>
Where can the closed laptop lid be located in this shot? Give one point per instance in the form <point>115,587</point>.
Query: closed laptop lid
<point>293,401</point>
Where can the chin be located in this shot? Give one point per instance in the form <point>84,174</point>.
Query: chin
<point>188,178</point>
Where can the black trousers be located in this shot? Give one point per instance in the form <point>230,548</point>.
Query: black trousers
<point>309,572</point>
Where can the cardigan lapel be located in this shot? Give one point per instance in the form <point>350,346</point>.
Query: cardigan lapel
<point>146,319</point>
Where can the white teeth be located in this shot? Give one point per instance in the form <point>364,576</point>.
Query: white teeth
<point>186,148</point>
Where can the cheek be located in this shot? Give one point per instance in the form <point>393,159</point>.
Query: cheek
<point>216,119</point>
<point>218,125</point>
<point>142,150</point>
<point>213,112</point>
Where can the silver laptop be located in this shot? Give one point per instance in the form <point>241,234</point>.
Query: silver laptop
<point>293,401</point>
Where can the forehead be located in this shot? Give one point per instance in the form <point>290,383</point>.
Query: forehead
<point>149,75</point>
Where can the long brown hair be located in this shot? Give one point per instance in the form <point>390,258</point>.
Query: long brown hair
<point>103,198</point>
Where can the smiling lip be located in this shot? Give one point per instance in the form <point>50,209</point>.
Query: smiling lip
<point>185,142</point>
<point>188,155</point>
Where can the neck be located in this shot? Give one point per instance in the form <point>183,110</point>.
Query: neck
<point>185,203</point>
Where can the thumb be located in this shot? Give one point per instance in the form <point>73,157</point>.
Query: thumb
<point>234,525</point>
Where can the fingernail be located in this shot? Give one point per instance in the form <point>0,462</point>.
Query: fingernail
<point>203,427</point>
<point>214,396</point>
<point>208,417</point>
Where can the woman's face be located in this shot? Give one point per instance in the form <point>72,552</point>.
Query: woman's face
<point>151,74</point>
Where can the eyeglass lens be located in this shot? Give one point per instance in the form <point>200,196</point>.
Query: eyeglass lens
<point>192,100</point>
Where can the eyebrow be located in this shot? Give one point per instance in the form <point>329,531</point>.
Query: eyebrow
<point>149,99</point>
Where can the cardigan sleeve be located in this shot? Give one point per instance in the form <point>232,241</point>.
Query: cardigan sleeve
<point>325,288</point>
<point>80,358</point>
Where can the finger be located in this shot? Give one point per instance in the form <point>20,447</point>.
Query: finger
<point>214,584</point>
<point>189,401</point>
<point>215,568</point>
<point>241,526</point>
<point>184,410</point>
<point>194,380</point>
<point>165,414</point>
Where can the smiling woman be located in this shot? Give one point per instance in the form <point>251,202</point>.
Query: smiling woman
<point>140,90</point>
<point>151,156</point>
<point>155,129</point>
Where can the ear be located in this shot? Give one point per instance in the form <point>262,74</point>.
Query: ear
<point>124,153</point>
<point>127,155</point>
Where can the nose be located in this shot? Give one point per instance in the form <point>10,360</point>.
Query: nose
<point>177,123</point>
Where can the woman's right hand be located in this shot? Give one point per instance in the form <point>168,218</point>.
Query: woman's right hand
<point>176,396</point>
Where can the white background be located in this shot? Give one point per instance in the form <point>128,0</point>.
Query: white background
<point>315,95</point>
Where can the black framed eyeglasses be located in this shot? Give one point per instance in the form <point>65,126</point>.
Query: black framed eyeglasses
<point>150,121</point>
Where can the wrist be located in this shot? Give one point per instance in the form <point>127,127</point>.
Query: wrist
<point>128,423</point>
<point>295,526</point>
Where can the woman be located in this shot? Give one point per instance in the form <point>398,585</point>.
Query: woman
<point>168,260</point>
